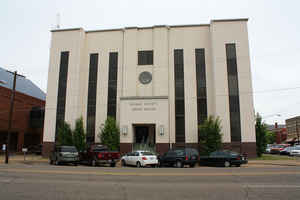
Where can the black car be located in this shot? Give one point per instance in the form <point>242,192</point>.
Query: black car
<point>224,158</point>
<point>179,158</point>
<point>35,149</point>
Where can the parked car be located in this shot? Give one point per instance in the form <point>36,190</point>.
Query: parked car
<point>64,154</point>
<point>268,149</point>
<point>139,159</point>
<point>296,151</point>
<point>277,148</point>
<point>99,155</point>
<point>35,149</point>
<point>224,158</point>
<point>179,158</point>
<point>287,150</point>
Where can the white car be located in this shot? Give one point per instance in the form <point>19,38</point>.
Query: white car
<point>296,151</point>
<point>139,159</point>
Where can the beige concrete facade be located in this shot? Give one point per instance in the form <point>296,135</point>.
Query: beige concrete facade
<point>152,103</point>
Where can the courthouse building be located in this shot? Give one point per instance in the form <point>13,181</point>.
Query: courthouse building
<point>158,82</point>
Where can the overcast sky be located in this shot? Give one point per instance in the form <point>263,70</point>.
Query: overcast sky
<point>274,31</point>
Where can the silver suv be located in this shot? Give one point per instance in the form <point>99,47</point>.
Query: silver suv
<point>64,154</point>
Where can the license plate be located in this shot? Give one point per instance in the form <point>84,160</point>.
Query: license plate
<point>151,158</point>
<point>109,160</point>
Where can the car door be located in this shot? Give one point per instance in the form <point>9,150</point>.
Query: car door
<point>135,158</point>
<point>171,157</point>
<point>167,157</point>
<point>129,158</point>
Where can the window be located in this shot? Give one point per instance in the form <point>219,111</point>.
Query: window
<point>112,84</point>
<point>179,95</point>
<point>92,98</point>
<point>233,90</point>
<point>145,57</point>
<point>62,89</point>
<point>180,152</point>
<point>201,85</point>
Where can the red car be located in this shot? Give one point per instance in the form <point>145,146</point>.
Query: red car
<point>277,148</point>
<point>99,155</point>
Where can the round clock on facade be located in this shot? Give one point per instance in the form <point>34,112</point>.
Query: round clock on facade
<point>145,77</point>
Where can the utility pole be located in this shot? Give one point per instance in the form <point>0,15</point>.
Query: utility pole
<point>12,98</point>
<point>297,130</point>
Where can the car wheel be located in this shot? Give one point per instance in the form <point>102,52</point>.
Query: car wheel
<point>138,165</point>
<point>56,162</point>
<point>179,164</point>
<point>159,163</point>
<point>112,164</point>
<point>123,163</point>
<point>192,165</point>
<point>93,163</point>
<point>226,164</point>
<point>51,162</point>
<point>75,164</point>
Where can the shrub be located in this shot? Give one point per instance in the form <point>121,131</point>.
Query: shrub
<point>79,135</point>
<point>64,134</point>
<point>110,134</point>
<point>261,135</point>
<point>210,136</point>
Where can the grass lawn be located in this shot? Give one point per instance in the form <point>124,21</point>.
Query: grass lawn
<point>274,157</point>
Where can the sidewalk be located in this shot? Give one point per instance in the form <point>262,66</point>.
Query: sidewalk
<point>295,162</point>
<point>29,159</point>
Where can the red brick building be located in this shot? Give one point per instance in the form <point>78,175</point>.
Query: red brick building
<point>28,113</point>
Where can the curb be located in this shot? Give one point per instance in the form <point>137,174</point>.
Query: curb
<point>277,164</point>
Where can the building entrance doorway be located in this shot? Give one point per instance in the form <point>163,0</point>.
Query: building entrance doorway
<point>144,137</point>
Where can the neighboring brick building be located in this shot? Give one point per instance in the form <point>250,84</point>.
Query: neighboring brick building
<point>28,114</point>
<point>280,131</point>
<point>293,129</point>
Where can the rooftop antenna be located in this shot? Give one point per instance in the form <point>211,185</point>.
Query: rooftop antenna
<point>57,21</point>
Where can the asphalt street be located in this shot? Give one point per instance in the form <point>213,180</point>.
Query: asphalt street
<point>43,181</point>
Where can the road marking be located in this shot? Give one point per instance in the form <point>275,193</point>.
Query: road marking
<point>149,174</point>
<point>273,186</point>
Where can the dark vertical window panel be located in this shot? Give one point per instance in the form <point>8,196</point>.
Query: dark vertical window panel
<point>145,57</point>
<point>112,84</point>
<point>233,90</point>
<point>179,95</point>
<point>62,89</point>
<point>201,85</point>
<point>92,98</point>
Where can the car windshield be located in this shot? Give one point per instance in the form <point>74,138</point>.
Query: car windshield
<point>179,152</point>
<point>232,153</point>
<point>147,154</point>
<point>68,149</point>
<point>99,149</point>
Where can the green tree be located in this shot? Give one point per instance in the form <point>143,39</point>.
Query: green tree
<point>271,137</point>
<point>64,134</point>
<point>261,135</point>
<point>210,136</point>
<point>79,135</point>
<point>110,134</point>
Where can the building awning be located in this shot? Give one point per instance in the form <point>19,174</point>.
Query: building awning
<point>290,140</point>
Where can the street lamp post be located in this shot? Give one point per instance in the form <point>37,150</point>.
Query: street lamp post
<point>297,131</point>
<point>12,97</point>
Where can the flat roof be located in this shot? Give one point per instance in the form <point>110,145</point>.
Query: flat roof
<point>151,27</point>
